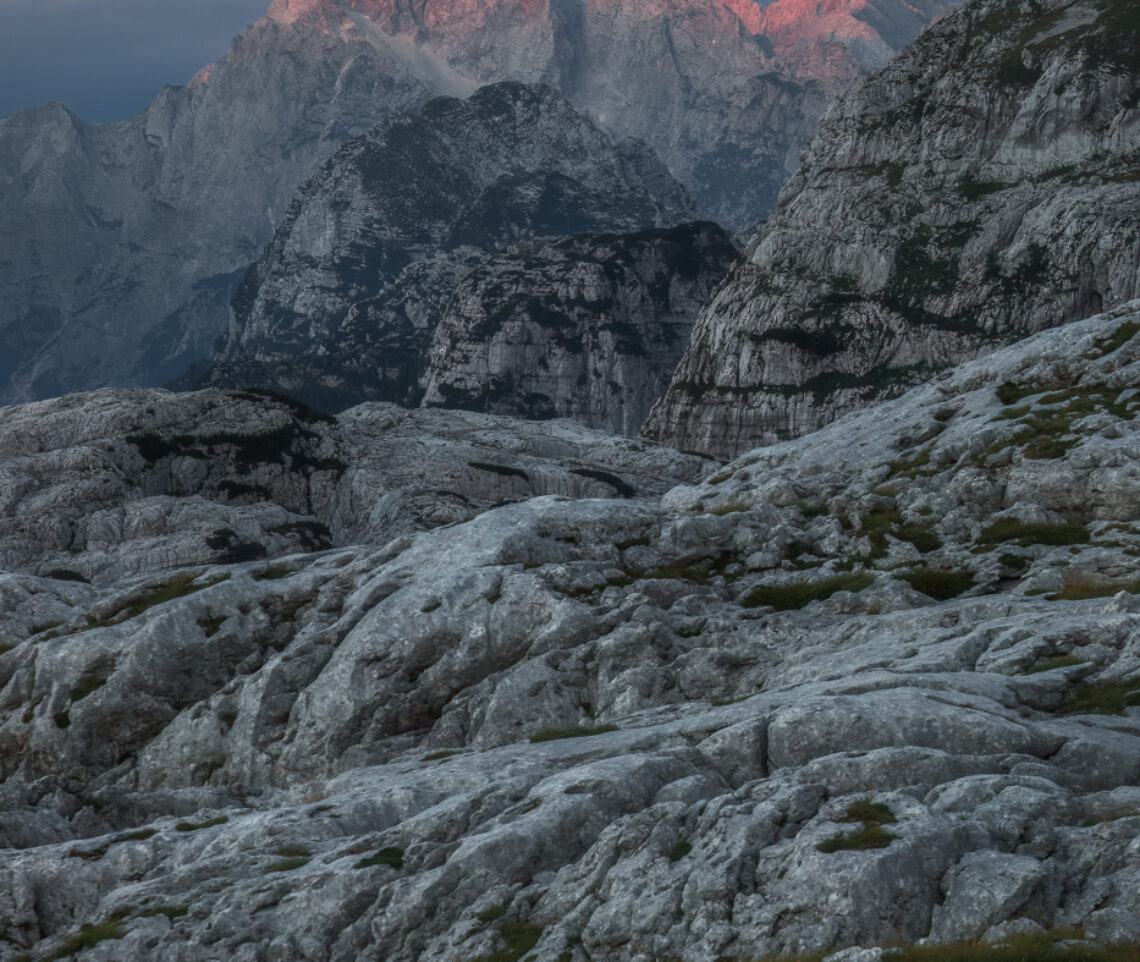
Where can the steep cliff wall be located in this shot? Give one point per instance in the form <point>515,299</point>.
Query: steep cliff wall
<point>980,188</point>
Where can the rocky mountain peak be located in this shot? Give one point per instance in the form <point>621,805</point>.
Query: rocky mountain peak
<point>499,253</point>
<point>979,188</point>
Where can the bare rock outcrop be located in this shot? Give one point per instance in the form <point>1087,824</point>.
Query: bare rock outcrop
<point>891,669</point>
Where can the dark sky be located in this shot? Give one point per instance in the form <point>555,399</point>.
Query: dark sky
<point>106,59</point>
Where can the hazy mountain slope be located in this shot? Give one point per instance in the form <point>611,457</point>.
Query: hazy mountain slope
<point>876,685</point>
<point>121,244</point>
<point>981,187</point>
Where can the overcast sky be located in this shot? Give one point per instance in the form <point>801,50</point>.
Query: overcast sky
<point>106,59</point>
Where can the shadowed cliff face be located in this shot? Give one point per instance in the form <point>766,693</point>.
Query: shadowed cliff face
<point>423,264</point>
<point>124,242</point>
<point>978,189</point>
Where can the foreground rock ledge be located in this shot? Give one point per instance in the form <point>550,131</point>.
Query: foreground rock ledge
<point>878,684</point>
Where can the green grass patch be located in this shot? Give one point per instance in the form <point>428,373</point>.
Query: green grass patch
<point>867,838</point>
<point>292,851</point>
<point>1118,338</point>
<point>90,682</point>
<point>873,813</point>
<point>211,625</point>
<point>518,939</point>
<point>1014,562</point>
<point>793,597</point>
<point>941,584</point>
<point>1110,698</point>
<point>88,937</point>
<point>172,912</point>
<point>195,826</point>
<point>1082,587</point>
<point>585,731</point>
<point>1057,661</point>
<point>440,756</point>
<point>811,509</point>
<point>679,851</point>
<point>391,856</point>
<point>1094,820</point>
<point>287,864</point>
<point>1011,392</point>
<point>1028,533</point>
<point>493,914</point>
<point>178,587</point>
<point>274,573</point>
<point>1058,945</point>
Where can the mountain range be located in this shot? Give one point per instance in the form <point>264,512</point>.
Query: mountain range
<point>123,243</point>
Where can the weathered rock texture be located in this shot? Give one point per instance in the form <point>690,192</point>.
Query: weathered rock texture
<point>399,260</point>
<point>917,626</point>
<point>111,484</point>
<point>123,243</point>
<point>981,187</point>
<point>589,328</point>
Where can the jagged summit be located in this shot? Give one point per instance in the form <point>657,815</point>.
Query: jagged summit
<point>981,187</point>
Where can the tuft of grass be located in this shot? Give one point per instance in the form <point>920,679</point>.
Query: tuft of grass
<point>867,838</point>
<point>211,625</point>
<point>292,851</point>
<point>811,509</point>
<point>873,816</point>
<point>493,914</point>
<point>440,756</point>
<point>518,939</point>
<point>1110,698</point>
<point>89,683</point>
<point>941,584</point>
<point>172,912</point>
<point>1121,336</point>
<point>287,864</point>
<point>1081,587</point>
<point>195,826</point>
<point>1058,945</point>
<point>873,813</point>
<point>679,851</point>
<point>1058,661</point>
<point>391,856</point>
<point>585,731</point>
<point>178,587</point>
<point>1014,562</point>
<point>1027,533</point>
<point>793,597</point>
<point>1094,820</point>
<point>88,937</point>
<point>274,573</point>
